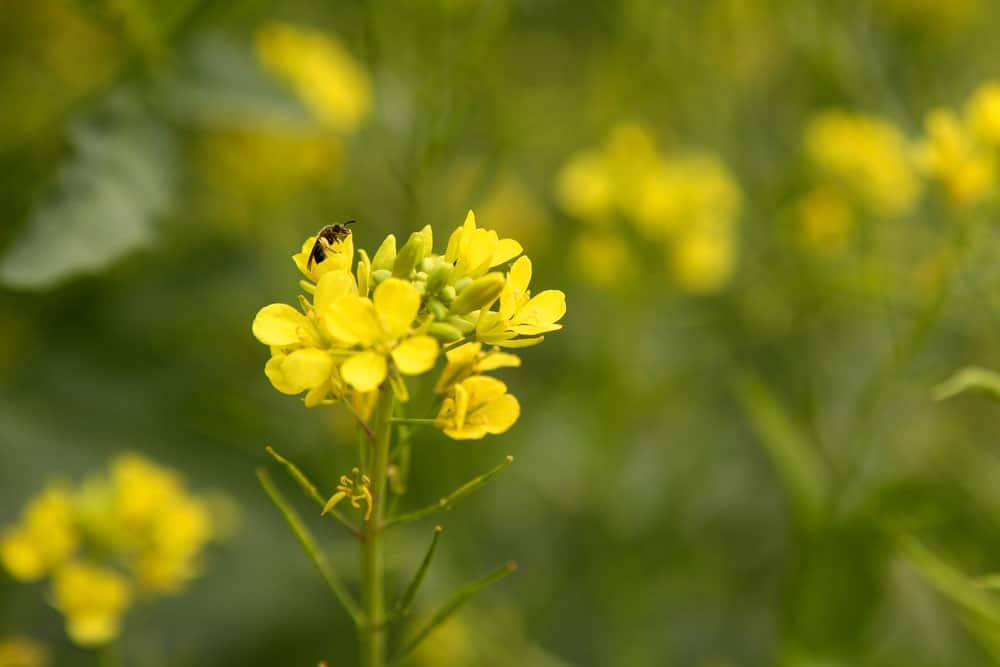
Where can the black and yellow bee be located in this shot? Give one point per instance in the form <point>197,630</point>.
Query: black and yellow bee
<point>325,239</point>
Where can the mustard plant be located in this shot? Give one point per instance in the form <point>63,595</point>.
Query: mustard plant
<point>361,329</point>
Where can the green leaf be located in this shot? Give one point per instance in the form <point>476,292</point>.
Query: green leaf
<point>978,609</point>
<point>103,204</point>
<point>970,378</point>
<point>793,456</point>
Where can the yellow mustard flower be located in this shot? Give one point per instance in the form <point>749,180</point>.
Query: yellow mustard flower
<point>474,251</point>
<point>324,75</point>
<point>339,257</point>
<point>22,652</point>
<point>44,539</point>
<point>93,599</point>
<point>303,351</point>
<point>520,314</point>
<point>383,328</point>
<point>476,407</point>
<point>702,261</point>
<point>170,556</point>
<point>470,359</point>
<point>869,155</point>
<point>983,113</point>
<point>952,156</point>
<point>584,186</point>
<point>683,191</point>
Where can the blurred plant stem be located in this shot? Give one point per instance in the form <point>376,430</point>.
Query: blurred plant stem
<point>106,655</point>
<point>372,557</point>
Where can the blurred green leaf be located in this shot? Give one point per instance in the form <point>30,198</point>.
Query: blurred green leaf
<point>103,205</point>
<point>970,378</point>
<point>793,456</point>
<point>980,611</point>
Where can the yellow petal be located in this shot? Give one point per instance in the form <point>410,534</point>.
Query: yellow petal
<point>20,557</point>
<point>307,368</point>
<point>506,250</point>
<point>520,342</point>
<point>415,355</point>
<point>272,369</point>
<point>279,324</point>
<point>482,389</point>
<point>541,311</point>
<point>397,302</point>
<point>495,360</point>
<point>461,405</point>
<point>352,320</point>
<point>364,371</point>
<point>331,287</point>
<point>499,414</point>
<point>520,274</point>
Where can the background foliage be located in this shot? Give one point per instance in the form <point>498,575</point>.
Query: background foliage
<point>750,474</point>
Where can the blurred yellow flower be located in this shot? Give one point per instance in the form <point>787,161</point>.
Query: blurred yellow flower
<point>688,201</point>
<point>93,599</point>
<point>603,258</point>
<point>331,84</point>
<point>983,113</point>
<point>868,155</point>
<point>477,406</point>
<point>685,191</point>
<point>139,517</point>
<point>584,187</point>
<point>44,539</point>
<point>470,359</point>
<point>702,260</point>
<point>825,220</point>
<point>22,652</point>
<point>520,314</point>
<point>951,155</point>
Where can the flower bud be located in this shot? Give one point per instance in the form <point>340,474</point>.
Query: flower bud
<point>444,332</point>
<point>380,275</point>
<point>463,283</point>
<point>409,256</point>
<point>439,310</point>
<point>385,256</point>
<point>438,278</point>
<point>462,324</point>
<point>480,293</point>
<point>448,293</point>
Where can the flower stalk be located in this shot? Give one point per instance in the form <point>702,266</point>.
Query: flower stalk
<point>372,546</point>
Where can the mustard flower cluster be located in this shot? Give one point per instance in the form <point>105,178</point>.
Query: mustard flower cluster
<point>866,167</point>
<point>388,316</point>
<point>135,530</point>
<point>688,202</point>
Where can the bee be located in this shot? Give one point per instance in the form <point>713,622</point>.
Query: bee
<point>325,238</point>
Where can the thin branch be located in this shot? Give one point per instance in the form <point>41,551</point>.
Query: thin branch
<point>361,422</point>
<point>449,500</point>
<point>311,490</point>
<point>452,605</point>
<point>312,550</point>
<point>403,606</point>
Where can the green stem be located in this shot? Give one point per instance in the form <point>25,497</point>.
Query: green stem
<point>372,557</point>
<point>413,421</point>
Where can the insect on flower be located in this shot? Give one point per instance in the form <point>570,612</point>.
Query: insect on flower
<point>325,238</point>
